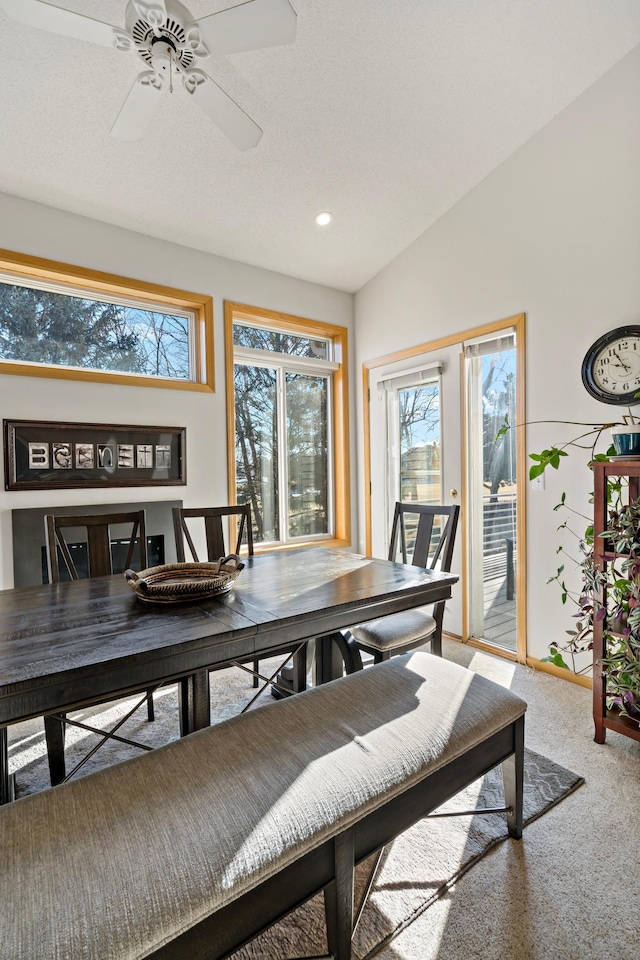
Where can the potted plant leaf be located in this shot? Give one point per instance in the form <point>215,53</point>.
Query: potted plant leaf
<point>621,666</point>
<point>621,663</point>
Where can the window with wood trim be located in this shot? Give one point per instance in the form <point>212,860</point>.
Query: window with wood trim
<point>287,417</point>
<point>67,322</point>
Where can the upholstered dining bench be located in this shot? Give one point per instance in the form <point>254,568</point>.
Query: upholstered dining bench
<point>192,849</point>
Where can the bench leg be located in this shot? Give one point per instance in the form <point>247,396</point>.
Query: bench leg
<point>512,776</point>
<point>338,899</point>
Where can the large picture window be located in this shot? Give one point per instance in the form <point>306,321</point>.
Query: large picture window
<point>287,424</point>
<point>61,321</point>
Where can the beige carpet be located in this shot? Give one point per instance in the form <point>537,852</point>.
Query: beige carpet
<point>421,866</point>
<point>419,873</point>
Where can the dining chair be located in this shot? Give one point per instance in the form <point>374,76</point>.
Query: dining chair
<point>423,535</point>
<point>93,558</point>
<point>215,519</point>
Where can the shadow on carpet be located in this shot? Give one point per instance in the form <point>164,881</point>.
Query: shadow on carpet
<point>418,868</point>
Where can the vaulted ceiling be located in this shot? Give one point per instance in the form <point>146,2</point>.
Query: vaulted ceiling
<point>383,112</point>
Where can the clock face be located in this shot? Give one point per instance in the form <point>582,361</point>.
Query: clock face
<point>611,367</point>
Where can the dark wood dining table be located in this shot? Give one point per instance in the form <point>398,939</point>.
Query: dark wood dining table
<point>69,644</point>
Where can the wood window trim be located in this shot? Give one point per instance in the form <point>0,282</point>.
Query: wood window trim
<point>338,336</point>
<point>106,283</point>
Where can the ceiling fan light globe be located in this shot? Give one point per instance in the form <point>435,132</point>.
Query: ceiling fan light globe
<point>163,56</point>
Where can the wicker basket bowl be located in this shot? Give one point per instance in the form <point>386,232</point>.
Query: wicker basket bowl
<point>182,582</point>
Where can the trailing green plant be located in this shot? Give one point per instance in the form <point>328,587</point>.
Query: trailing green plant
<point>621,666</point>
<point>552,456</point>
<point>580,637</point>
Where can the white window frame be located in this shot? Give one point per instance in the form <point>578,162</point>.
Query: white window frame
<point>334,371</point>
<point>284,363</point>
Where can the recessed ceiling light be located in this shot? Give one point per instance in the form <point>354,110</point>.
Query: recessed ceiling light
<point>322,219</point>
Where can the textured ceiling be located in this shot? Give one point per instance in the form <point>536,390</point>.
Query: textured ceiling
<point>385,112</point>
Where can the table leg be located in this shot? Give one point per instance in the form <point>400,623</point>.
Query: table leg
<point>55,730</point>
<point>300,669</point>
<point>7,780</point>
<point>194,702</point>
<point>329,663</point>
<point>292,678</point>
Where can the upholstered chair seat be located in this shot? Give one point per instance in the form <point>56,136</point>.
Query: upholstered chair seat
<point>423,535</point>
<point>401,630</point>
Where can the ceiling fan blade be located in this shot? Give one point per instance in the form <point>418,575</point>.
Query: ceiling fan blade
<point>137,111</point>
<point>249,26</point>
<point>225,112</point>
<point>43,16</point>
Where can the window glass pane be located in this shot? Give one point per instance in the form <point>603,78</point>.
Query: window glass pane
<point>307,454</point>
<point>261,338</point>
<point>257,447</point>
<point>492,390</point>
<point>419,410</point>
<point>57,329</point>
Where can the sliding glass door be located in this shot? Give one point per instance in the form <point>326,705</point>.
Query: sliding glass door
<point>491,385</point>
<point>435,437</point>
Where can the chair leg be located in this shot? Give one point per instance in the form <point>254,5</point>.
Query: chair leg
<point>436,636</point>
<point>54,731</point>
<point>150,710</point>
<point>256,671</point>
<point>381,655</point>
<point>436,643</point>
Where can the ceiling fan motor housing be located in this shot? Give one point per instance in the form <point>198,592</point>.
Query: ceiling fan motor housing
<point>161,39</point>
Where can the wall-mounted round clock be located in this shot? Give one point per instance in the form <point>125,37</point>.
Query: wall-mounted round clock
<point>611,366</point>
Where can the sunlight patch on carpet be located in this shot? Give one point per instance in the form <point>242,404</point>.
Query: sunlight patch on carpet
<point>419,869</point>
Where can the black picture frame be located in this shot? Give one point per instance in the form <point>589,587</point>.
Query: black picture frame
<point>46,455</point>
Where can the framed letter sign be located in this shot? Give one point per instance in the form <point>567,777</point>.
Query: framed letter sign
<point>41,455</point>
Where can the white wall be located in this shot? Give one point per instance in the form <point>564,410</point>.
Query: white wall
<point>554,233</point>
<point>46,232</point>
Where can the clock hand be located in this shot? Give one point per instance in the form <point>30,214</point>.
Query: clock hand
<point>622,363</point>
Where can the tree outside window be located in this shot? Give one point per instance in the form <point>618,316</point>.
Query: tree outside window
<point>58,329</point>
<point>284,389</point>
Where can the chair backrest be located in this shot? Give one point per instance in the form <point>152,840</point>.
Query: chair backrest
<point>416,526</point>
<point>99,556</point>
<point>214,529</point>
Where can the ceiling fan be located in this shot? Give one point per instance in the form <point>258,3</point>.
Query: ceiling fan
<point>171,43</point>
